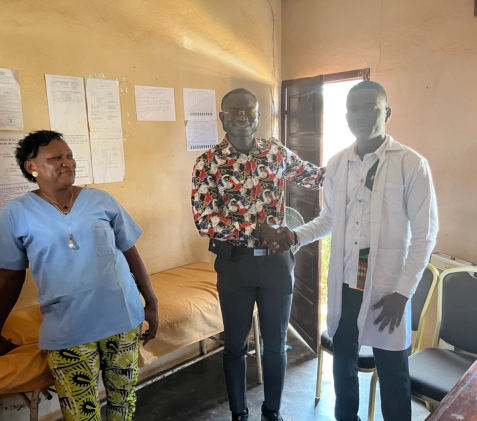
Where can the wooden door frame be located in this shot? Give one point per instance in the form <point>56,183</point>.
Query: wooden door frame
<point>363,74</point>
<point>329,78</point>
<point>304,130</point>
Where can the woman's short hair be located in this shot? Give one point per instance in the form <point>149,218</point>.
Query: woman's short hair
<point>27,148</point>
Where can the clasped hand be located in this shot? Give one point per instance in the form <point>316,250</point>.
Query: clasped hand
<point>277,239</point>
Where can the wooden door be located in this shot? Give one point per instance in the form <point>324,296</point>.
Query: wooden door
<point>303,135</point>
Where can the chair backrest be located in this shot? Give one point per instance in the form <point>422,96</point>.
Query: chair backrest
<point>457,311</point>
<point>421,300</point>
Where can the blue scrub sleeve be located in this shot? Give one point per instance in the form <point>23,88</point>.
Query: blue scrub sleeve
<point>126,231</point>
<point>12,251</point>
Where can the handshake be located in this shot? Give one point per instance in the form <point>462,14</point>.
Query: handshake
<point>277,239</point>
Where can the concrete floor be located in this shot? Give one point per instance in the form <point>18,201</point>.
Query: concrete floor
<point>198,392</point>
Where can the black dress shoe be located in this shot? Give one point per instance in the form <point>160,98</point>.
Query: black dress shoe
<point>240,417</point>
<point>268,415</point>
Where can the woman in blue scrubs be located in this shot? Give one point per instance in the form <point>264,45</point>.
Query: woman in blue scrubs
<point>80,246</point>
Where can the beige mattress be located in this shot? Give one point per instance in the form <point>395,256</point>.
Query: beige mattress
<point>189,309</point>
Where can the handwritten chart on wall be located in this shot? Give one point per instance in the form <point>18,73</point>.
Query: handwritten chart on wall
<point>154,103</point>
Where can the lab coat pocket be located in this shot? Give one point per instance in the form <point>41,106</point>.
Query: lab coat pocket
<point>393,197</point>
<point>103,238</point>
<point>387,269</point>
<point>56,326</point>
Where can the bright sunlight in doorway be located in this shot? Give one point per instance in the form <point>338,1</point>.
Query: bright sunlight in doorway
<point>336,136</point>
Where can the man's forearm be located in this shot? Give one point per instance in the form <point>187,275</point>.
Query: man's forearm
<point>424,224</point>
<point>416,261</point>
<point>11,283</point>
<point>314,230</point>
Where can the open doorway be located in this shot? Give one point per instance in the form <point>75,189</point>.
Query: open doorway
<point>302,110</point>
<point>336,137</point>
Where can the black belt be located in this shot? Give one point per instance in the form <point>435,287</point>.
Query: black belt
<point>227,251</point>
<point>248,251</point>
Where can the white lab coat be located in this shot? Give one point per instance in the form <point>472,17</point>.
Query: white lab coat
<point>403,233</point>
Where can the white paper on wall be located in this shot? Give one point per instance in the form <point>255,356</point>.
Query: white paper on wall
<point>199,104</point>
<point>104,108</point>
<point>12,187</point>
<point>155,103</point>
<point>66,104</point>
<point>107,155</point>
<point>79,144</point>
<point>11,115</point>
<point>8,164</point>
<point>201,135</point>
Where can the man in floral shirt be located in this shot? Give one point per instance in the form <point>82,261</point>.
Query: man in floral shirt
<point>237,196</point>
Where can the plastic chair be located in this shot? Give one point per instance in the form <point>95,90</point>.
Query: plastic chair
<point>435,371</point>
<point>419,303</point>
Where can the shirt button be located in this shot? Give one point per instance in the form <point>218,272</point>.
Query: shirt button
<point>362,180</point>
<point>356,242</point>
<point>357,223</point>
<point>359,201</point>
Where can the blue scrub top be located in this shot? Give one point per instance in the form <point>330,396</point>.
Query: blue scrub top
<point>87,293</point>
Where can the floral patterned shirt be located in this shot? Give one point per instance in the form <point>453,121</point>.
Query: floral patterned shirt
<point>232,193</point>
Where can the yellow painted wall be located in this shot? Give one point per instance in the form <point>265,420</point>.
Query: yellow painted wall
<point>425,54</point>
<point>211,44</point>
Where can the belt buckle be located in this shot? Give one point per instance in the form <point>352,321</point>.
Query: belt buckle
<point>260,252</point>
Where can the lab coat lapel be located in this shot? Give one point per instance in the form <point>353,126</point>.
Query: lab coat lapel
<point>377,198</point>
<point>336,266</point>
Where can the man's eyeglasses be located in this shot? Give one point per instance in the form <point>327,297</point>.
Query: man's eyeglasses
<point>247,112</point>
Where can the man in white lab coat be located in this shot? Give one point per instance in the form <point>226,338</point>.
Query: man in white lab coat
<point>379,205</point>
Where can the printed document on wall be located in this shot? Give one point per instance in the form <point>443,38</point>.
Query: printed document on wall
<point>107,155</point>
<point>8,164</point>
<point>12,182</point>
<point>11,116</point>
<point>201,135</point>
<point>66,104</point>
<point>12,187</point>
<point>79,144</point>
<point>155,103</point>
<point>104,108</point>
<point>199,104</point>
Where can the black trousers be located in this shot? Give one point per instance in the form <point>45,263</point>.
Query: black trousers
<point>267,281</point>
<point>392,366</point>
